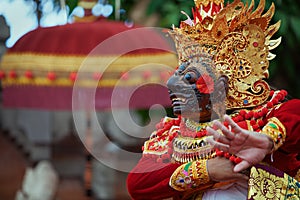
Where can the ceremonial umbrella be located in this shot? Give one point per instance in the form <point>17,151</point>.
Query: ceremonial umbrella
<point>40,69</point>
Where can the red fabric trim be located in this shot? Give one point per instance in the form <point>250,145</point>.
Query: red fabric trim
<point>60,98</point>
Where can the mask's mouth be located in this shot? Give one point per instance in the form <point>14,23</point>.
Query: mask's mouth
<point>180,101</point>
<point>176,101</point>
<point>187,104</point>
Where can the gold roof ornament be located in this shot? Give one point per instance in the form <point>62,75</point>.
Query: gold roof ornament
<point>238,37</point>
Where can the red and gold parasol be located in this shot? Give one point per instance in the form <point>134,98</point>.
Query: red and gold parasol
<point>40,69</point>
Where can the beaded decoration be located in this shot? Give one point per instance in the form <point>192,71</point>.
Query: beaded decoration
<point>187,149</point>
<point>183,140</point>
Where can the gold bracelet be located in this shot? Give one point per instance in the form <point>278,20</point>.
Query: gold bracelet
<point>276,131</point>
<point>189,176</point>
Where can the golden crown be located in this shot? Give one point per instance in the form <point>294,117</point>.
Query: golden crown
<point>239,39</point>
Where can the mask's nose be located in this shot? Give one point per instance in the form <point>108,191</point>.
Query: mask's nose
<point>175,83</point>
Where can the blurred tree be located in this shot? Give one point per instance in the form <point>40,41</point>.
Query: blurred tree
<point>169,10</point>
<point>71,4</point>
<point>285,69</point>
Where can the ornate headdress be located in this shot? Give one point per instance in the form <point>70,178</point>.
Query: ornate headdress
<point>239,40</point>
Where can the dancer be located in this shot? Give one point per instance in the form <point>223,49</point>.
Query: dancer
<point>234,137</point>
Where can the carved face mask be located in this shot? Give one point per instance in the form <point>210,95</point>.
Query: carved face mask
<point>190,88</point>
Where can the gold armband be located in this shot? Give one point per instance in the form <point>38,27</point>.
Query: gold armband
<point>189,176</point>
<point>275,130</point>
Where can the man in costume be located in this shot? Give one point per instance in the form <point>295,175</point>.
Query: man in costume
<point>252,151</point>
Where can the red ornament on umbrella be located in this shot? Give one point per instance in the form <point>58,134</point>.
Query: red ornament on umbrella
<point>51,76</point>
<point>29,74</point>
<point>2,75</point>
<point>12,74</point>
<point>73,76</point>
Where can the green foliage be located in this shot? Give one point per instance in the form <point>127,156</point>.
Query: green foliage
<point>284,69</point>
<point>72,4</point>
<point>170,11</point>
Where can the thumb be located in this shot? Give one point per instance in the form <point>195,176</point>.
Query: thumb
<point>241,166</point>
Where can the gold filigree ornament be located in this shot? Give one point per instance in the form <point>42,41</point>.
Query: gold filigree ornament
<point>238,38</point>
<point>264,185</point>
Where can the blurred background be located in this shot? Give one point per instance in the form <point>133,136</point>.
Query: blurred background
<point>42,45</point>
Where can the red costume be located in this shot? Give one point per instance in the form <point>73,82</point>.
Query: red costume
<point>154,183</point>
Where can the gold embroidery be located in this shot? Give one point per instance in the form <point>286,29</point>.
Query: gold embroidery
<point>266,186</point>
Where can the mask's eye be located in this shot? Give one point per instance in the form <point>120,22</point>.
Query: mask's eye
<point>181,68</point>
<point>190,77</point>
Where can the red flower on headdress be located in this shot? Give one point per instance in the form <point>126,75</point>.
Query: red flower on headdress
<point>205,84</point>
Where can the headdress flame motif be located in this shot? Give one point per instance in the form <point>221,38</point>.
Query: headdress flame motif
<point>239,40</point>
